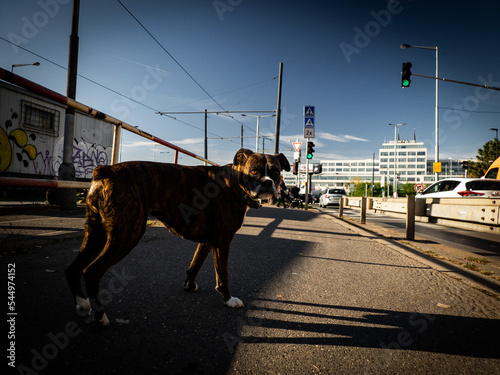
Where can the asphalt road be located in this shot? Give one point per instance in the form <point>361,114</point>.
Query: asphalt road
<point>320,296</point>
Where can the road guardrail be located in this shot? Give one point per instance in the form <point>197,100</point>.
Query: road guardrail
<point>482,214</point>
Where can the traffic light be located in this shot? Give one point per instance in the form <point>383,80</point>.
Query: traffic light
<point>405,75</point>
<point>465,164</point>
<point>318,168</point>
<point>310,150</point>
<point>295,169</point>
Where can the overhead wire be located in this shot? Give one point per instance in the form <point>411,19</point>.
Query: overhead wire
<point>179,64</point>
<point>105,87</point>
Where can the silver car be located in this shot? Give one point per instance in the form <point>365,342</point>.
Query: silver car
<point>331,196</point>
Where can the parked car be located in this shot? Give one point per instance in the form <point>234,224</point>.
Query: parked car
<point>331,196</point>
<point>316,194</point>
<point>462,187</point>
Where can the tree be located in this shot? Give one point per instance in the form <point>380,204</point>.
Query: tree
<point>485,157</point>
<point>361,188</point>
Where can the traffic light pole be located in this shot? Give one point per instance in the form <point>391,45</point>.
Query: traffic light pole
<point>461,82</point>
<point>307,183</point>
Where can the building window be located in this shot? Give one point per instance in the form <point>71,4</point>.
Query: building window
<point>421,153</point>
<point>40,119</point>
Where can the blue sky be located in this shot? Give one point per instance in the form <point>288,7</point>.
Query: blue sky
<point>343,57</point>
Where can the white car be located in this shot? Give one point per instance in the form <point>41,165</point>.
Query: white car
<point>462,187</point>
<point>331,196</point>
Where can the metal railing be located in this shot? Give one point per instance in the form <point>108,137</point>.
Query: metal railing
<point>52,95</point>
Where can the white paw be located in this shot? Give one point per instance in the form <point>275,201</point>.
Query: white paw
<point>234,302</point>
<point>104,320</point>
<point>82,304</point>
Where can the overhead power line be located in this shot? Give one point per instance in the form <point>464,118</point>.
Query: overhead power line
<point>169,54</point>
<point>105,87</point>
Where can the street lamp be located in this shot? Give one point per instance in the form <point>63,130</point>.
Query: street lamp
<point>395,156</point>
<point>18,65</point>
<point>257,131</point>
<point>496,142</point>
<point>436,145</point>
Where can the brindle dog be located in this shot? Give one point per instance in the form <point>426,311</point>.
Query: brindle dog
<point>203,204</point>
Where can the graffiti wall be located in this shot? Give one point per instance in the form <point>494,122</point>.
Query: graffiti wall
<point>32,136</point>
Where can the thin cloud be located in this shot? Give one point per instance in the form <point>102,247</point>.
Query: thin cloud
<point>340,138</point>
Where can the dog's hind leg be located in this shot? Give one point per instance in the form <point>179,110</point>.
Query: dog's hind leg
<point>92,244</point>
<point>199,257</point>
<point>116,248</point>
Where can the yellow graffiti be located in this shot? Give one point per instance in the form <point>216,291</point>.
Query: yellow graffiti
<point>30,150</point>
<point>5,151</point>
<point>20,138</point>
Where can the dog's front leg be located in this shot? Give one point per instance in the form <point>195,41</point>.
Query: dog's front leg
<point>221,258</point>
<point>199,257</point>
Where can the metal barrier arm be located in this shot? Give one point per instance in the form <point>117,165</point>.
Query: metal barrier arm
<point>41,90</point>
<point>39,183</point>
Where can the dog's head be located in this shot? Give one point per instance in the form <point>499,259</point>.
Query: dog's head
<point>259,174</point>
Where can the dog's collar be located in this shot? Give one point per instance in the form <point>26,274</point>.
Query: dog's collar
<point>252,203</point>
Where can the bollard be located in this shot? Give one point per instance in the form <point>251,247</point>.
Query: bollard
<point>362,219</point>
<point>341,207</point>
<point>410,217</point>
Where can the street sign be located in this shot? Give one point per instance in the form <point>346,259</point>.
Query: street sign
<point>309,122</point>
<point>308,132</point>
<point>309,111</point>
<point>419,187</point>
<point>296,146</point>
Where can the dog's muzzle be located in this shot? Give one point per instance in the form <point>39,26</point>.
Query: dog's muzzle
<point>265,189</point>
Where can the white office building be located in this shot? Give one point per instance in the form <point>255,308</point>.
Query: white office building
<point>409,163</point>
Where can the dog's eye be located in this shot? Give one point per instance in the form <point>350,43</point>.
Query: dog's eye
<point>254,172</point>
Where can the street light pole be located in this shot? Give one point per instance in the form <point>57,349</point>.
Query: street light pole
<point>436,144</point>
<point>395,156</point>
<point>257,130</point>
<point>496,142</point>
<point>18,65</point>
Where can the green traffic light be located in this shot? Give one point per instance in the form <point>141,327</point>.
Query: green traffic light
<point>309,156</point>
<point>406,82</point>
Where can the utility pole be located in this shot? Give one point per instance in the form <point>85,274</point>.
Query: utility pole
<point>67,197</point>
<point>278,113</point>
<point>206,143</point>
<point>373,173</point>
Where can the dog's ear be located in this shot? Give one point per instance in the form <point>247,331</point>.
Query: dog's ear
<point>285,165</point>
<point>241,156</point>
